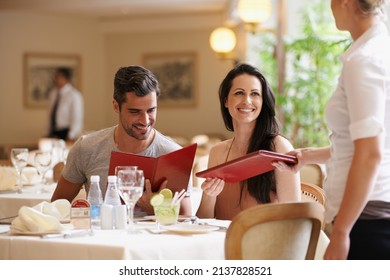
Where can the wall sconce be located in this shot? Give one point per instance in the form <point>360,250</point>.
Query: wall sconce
<point>254,12</point>
<point>223,41</point>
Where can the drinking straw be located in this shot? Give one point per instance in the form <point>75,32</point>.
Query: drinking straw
<point>180,197</point>
<point>174,198</point>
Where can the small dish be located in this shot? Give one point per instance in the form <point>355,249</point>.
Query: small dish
<point>190,228</point>
<point>32,233</point>
<point>181,218</point>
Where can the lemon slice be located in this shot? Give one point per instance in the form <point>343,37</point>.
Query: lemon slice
<point>157,199</point>
<point>167,193</point>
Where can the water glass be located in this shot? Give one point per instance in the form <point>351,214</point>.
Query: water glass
<point>131,186</point>
<point>124,167</point>
<point>42,162</point>
<point>19,157</point>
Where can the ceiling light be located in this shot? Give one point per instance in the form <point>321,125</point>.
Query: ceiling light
<point>254,12</point>
<point>223,41</point>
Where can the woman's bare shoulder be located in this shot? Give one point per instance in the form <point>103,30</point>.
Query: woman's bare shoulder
<point>218,152</point>
<point>282,144</point>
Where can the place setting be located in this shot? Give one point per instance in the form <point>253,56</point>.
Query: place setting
<point>166,218</point>
<point>22,178</point>
<point>44,219</point>
<point>11,177</point>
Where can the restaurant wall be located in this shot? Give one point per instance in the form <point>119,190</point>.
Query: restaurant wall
<point>103,49</point>
<point>104,46</point>
<point>44,33</point>
<point>204,117</point>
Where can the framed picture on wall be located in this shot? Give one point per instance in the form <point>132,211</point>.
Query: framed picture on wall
<point>177,76</point>
<point>38,72</point>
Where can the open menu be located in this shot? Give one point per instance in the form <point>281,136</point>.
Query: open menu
<point>245,167</point>
<point>175,167</point>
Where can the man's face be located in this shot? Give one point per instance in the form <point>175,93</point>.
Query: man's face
<point>59,80</point>
<point>137,115</point>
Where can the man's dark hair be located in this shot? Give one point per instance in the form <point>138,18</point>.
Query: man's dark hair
<point>66,72</point>
<point>135,79</point>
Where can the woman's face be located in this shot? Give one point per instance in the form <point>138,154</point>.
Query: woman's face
<point>338,10</point>
<point>245,99</point>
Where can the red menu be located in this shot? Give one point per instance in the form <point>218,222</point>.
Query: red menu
<point>175,167</point>
<point>245,167</point>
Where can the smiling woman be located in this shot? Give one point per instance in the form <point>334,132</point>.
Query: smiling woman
<point>248,109</point>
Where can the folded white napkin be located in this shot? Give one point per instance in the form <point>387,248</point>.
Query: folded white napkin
<point>44,217</point>
<point>30,176</point>
<point>8,178</point>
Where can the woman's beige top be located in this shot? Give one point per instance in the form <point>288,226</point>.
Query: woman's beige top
<point>228,204</point>
<point>228,201</point>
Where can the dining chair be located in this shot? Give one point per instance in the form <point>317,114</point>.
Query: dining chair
<point>313,173</point>
<point>275,231</point>
<point>312,193</point>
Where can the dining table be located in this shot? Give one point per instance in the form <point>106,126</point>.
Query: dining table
<point>12,201</point>
<point>200,240</point>
<point>185,241</point>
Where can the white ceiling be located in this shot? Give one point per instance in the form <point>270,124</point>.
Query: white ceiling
<point>115,8</point>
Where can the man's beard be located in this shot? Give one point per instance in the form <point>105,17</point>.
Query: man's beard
<point>135,134</point>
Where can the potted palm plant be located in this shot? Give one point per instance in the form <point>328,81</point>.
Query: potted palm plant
<point>312,69</point>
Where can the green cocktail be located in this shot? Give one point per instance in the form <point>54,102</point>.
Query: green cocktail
<point>167,213</point>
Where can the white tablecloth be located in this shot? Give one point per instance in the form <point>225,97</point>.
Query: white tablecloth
<point>10,203</point>
<point>115,245</point>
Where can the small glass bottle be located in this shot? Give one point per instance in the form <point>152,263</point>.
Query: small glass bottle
<point>112,197</point>
<point>95,199</point>
<point>112,193</point>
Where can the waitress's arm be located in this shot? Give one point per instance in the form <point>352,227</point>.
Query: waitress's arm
<point>360,182</point>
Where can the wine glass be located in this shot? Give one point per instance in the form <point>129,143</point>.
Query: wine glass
<point>58,151</point>
<point>124,167</point>
<point>131,187</point>
<point>19,157</point>
<point>42,162</point>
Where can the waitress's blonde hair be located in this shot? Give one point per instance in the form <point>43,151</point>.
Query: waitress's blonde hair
<point>368,7</point>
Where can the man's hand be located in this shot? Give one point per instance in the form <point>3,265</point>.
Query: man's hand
<point>144,201</point>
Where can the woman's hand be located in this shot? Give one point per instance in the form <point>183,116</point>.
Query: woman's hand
<point>338,247</point>
<point>213,186</point>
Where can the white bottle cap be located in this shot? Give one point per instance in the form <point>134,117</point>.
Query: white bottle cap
<point>95,178</point>
<point>112,179</point>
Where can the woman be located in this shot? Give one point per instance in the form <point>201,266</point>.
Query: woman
<point>357,186</point>
<point>248,109</point>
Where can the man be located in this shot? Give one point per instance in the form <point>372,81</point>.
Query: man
<point>66,109</point>
<point>135,101</point>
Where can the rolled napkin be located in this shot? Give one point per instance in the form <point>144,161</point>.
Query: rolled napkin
<point>8,179</point>
<point>44,217</point>
<point>59,209</point>
<point>30,176</point>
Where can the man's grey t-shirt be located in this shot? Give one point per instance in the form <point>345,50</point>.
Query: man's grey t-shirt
<point>91,154</point>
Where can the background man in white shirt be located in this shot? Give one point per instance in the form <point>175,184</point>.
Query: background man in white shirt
<point>66,110</point>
